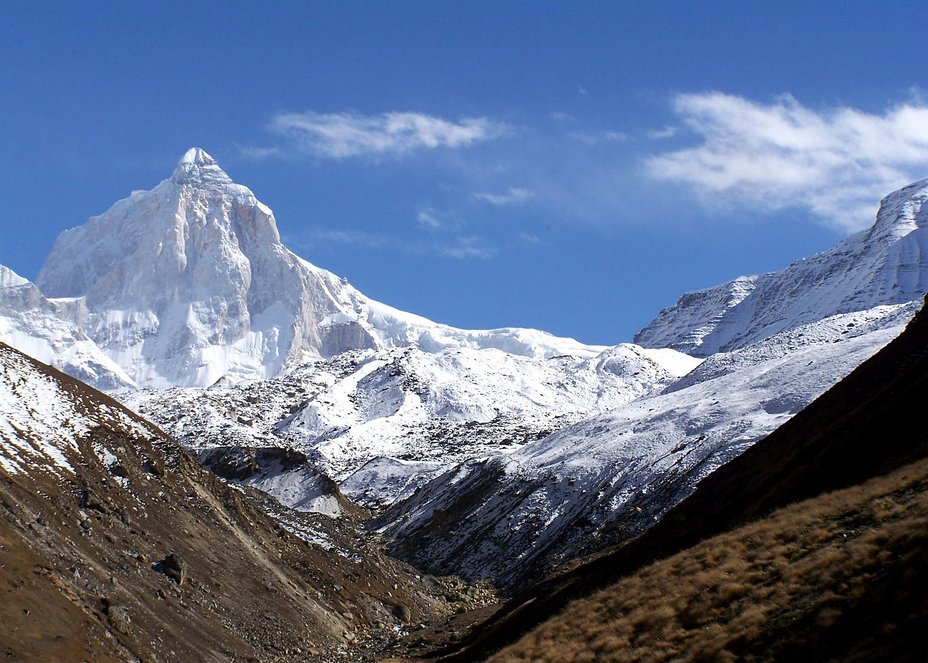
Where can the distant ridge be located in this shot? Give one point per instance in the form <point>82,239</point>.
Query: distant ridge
<point>885,264</point>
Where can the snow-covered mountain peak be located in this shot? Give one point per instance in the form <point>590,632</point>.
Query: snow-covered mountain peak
<point>10,279</point>
<point>902,212</point>
<point>197,166</point>
<point>197,156</point>
<point>885,264</point>
<point>189,283</point>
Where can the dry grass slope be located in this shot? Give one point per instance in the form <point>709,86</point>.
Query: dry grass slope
<point>843,576</point>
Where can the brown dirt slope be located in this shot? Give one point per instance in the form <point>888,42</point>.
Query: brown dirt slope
<point>83,571</point>
<point>843,576</point>
<point>850,433</point>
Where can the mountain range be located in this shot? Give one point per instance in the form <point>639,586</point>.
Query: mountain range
<point>486,455</point>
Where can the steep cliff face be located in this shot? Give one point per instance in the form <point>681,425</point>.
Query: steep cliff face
<point>49,330</point>
<point>886,264</point>
<point>190,282</point>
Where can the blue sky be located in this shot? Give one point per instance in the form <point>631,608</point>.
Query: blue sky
<point>568,166</point>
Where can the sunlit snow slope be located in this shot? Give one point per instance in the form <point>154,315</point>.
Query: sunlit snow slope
<point>886,264</point>
<point>787,337</point>
<point>384,422</point>
<point>189,283</point>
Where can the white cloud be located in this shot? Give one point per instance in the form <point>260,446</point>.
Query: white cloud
<point>511,197</point>
<point>467,247</point>
<point>460,247</point>
<point>258,153</point>
<point>666,132</point>
<point>429,220</point>
<point>359,237</point>
<point>444,235</point>
<point>600,137</point>
<point>341,135</point>
<point>837,163</point>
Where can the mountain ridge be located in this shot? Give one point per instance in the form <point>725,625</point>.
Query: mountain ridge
<point>189,283</point>
<point>884,264</point>
<point>828,446</point>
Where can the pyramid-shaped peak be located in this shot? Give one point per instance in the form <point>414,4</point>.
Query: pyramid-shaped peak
<point>198,157</point>
<point>198,166</point>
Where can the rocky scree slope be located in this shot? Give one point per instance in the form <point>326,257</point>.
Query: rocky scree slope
<point>117,544</point>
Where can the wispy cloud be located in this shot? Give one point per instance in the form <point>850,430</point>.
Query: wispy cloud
<point>666,132</point>
<point>439,234</point>
<point>349,134</point>
<point>467,247</point>
<point>445,233</point>
<point>357,237</point>
<point>258,153</point>
<point>836,163</point>
<point>428,219</point>
<point>595,138</point>
<point>513,196</point>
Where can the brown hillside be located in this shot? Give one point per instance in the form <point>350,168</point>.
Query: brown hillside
<point>843,576</point>
<point>87,572</point>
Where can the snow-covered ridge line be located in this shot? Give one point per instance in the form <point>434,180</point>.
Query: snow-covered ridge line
<point>189,283</point>
<point>42,419</point>
<point>384,422</point>
<point>886,264</point>
<point>611,476</point>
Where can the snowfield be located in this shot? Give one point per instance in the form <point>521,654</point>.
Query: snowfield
<point>611,476</point>
<point>415,413</point>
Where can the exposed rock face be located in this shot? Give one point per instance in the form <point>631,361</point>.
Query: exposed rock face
<point>886,264</point>
<point>175,568</point>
